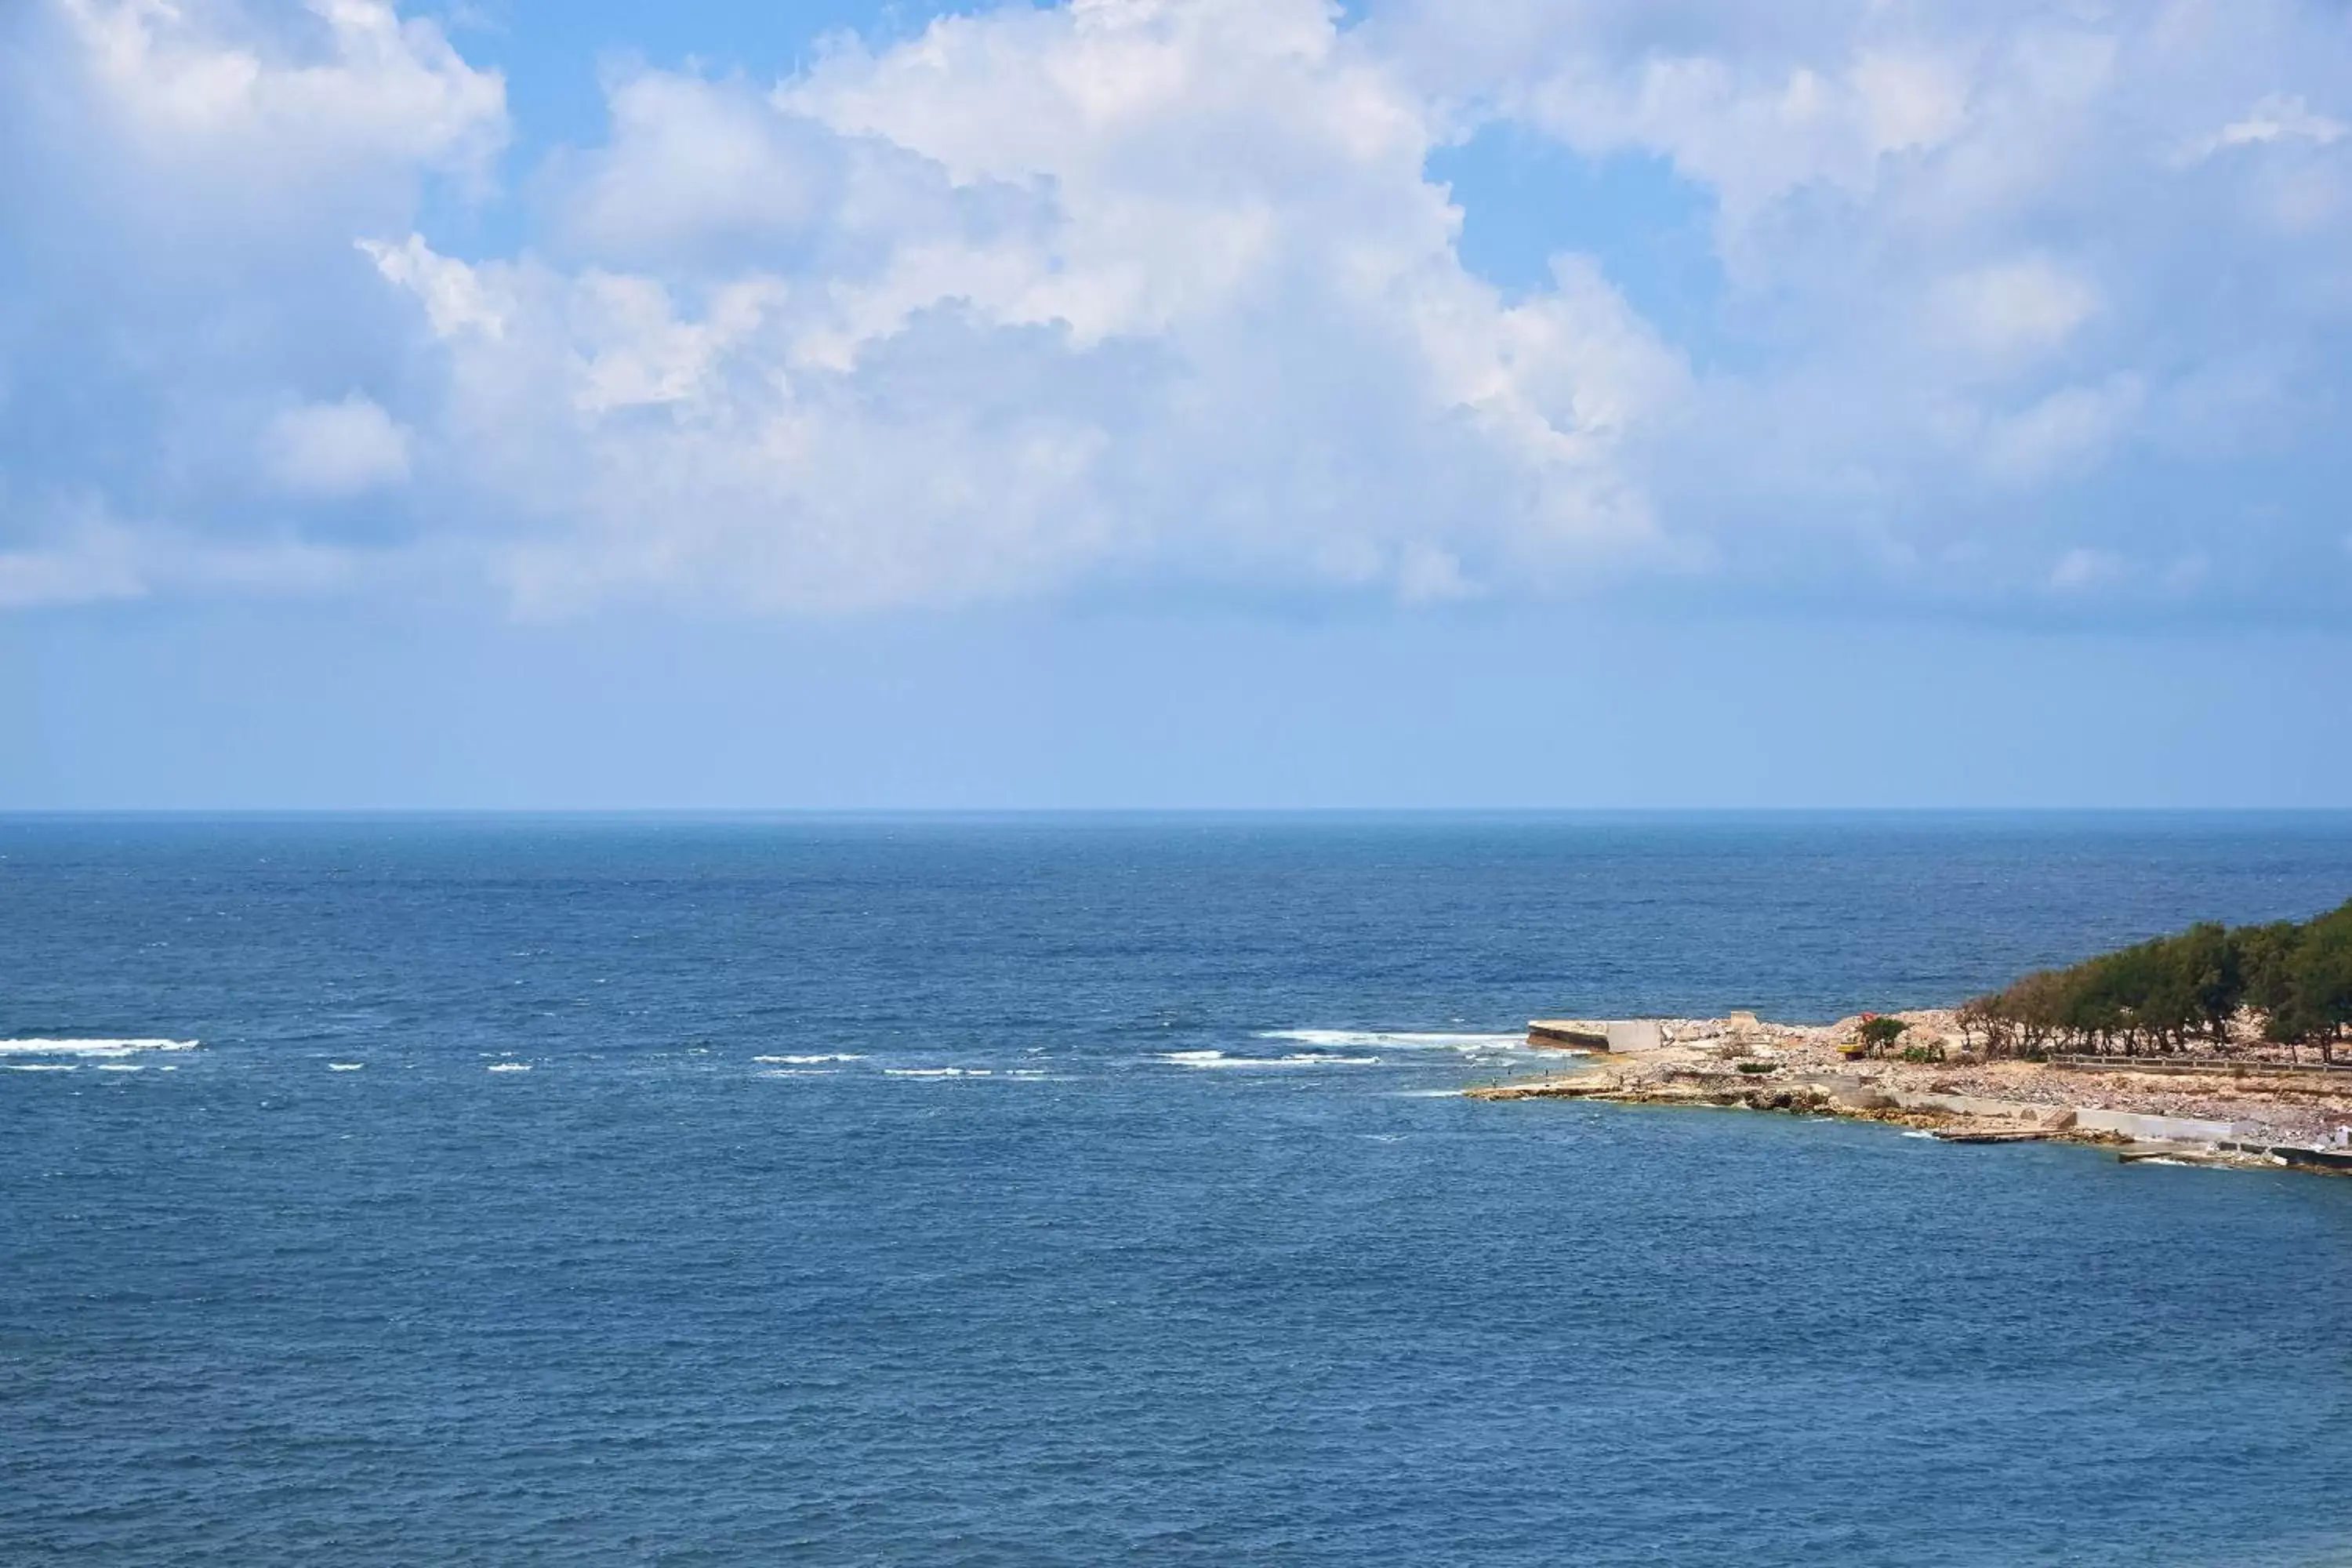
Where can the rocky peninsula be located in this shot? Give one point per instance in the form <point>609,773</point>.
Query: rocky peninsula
<point>2234,1112</point>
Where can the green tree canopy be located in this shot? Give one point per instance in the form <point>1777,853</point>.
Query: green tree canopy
<point>2290,983</point>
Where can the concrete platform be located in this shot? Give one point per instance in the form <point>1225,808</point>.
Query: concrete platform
<point>1615,1035</point>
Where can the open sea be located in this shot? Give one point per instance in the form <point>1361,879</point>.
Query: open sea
<point>1094,1190</point>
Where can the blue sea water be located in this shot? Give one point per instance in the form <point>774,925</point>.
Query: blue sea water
<point>1090,1190</point>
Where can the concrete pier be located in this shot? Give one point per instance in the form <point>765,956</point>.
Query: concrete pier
<point>1615,1035</point>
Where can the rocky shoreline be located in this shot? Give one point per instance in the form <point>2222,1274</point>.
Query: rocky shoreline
<point>2249,1113</point>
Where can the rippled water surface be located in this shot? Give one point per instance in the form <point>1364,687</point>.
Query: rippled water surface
<point>1076,1191</point>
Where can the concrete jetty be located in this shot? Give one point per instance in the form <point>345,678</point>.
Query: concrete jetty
<point>1618,1037</point>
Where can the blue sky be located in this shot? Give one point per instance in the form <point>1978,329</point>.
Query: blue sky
<point>1172,403</point>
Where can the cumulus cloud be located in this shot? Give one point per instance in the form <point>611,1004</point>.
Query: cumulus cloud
<point>2278,118</point>
<point>2018,308</point>
<point>333,451</point>
<point>1135,296</point>
<point>98,564</point>
<point>184,321</point>
<point>272,104</point>
<point>89,557</point>
<point>2069,427</point>
<point>1964,260</point>
<point>2080,570</point>
<point>1120,290</point>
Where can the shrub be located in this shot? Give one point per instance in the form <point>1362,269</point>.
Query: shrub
<point>1879,1032</point>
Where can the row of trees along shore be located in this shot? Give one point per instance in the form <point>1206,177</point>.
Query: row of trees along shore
<point>2240,990</point>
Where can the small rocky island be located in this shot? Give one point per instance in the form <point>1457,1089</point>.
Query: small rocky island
<point>2215,1047</point>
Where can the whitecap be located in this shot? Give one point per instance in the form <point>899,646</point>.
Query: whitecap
<point>94,1047</point>
<point>1398,1039</point>
<point>797,1072</point>
<point>1296,1059</point>
<point>345,1067</point>
<point>509,1066</point>
<point>120,1067</point>
<point>39,1067</point>
<point>936,1072</point>
<point>808,1062</point>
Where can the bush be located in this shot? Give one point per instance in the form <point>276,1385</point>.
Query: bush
<point>1877,1033</point>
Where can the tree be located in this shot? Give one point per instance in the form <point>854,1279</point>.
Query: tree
<point>2215,977</point>
<point>2320,981</point>
<point>1982,1019</point>
<point>1879,1032</point>
<point>2266,961</point>
<point>2296,979</point>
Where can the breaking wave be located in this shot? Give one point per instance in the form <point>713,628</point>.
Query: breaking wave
<point>1402,1039</point>
<point>1296,1059</point>
<point>44,1048</point>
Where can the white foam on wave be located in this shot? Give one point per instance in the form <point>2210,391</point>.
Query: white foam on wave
<point>797,1072</point>
<point>937,1072</point>
<point>40,1066</point>
<point>120,1067</point>
<point>47,1047</point>
<point>509,1066</point>
<point>1397,1039</point>
<point>808,1062</point>
<point>1296,1059</point>
<point>345,1067</point>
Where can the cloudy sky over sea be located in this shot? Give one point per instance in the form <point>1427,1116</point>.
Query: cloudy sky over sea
<point>1175,402</point>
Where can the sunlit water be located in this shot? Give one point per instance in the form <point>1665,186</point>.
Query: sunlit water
<point>1076,1192</point>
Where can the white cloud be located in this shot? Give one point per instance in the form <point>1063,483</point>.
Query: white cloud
<point>1963,263</point>
<point>696,172</point>
<point>177,213</point>
<point>192,82</point>
<point>96,566</point>
<point>1135,296</point>
<point>89,557</point>
<point>2282,117</point>
<point>2080,570</point>
<point>2066,429</point>
<point>2019,308</point>
<point>1125,287</point>
<point>454,296</point>
<point>330,451</point>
